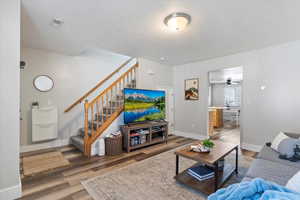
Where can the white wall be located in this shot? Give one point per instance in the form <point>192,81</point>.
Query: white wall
<point>10,186</point>
<point>217,92</point>
<point>265,112</point>
<point>153,75</point>
<point>73,76</point>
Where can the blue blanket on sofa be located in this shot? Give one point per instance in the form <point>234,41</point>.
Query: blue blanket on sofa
<point>257,189</point>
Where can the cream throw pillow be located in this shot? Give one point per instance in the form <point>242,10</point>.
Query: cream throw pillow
<point>294,183</point>
<point>281,136</point>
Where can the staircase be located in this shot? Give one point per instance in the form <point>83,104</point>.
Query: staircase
<point>101,111</point>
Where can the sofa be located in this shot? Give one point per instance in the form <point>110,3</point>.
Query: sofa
<point>269,166</point>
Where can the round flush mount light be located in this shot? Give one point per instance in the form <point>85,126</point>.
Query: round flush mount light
<point>177,21</point>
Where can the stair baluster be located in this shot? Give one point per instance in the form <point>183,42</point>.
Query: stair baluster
<point>105,108</point>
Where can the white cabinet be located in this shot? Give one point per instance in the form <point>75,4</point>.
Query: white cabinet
<point>44,124</point>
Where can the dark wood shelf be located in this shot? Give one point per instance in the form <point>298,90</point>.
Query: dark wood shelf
<point>206,186</point>
<point>158,131</point>
<point>131,135</point>
<point>150,140</point>
<point>154,141</point>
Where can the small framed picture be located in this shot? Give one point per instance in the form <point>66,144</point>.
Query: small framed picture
<point>191,89</point>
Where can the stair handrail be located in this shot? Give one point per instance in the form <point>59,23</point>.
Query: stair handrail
<point>113,84</point>
<point>104,97</point>
<point>81,99</point>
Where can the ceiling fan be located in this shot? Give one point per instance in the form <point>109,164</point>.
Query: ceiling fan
<point>229,82</point>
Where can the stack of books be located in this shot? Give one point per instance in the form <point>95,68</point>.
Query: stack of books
<point>136,139</point>
<point>201,172</point>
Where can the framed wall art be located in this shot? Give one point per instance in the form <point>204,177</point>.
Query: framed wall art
<point>191,89</point>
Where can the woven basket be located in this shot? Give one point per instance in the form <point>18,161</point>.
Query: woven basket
<point>113,146</point>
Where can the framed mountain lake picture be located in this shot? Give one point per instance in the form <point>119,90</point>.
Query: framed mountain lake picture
<point>191,89</point>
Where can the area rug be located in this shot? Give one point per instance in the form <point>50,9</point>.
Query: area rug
<point>43,162</point>
<point>152,179</point>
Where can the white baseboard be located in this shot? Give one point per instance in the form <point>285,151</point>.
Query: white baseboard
<point>196,136</point>
<point>45,145</point>
<point>11,193</point>
<point>251,147</point>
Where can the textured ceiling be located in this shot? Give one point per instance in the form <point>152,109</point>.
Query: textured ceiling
<point>135,27</point>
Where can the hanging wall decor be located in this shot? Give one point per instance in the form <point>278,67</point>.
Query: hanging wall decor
<point>43,83</point>
<point>191,89</point>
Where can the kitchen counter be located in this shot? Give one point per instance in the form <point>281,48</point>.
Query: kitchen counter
<point>230,109</point>
<point>224,113</point>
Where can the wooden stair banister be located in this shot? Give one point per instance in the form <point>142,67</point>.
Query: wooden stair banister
<point>108,103</point>
<point>81,99</point>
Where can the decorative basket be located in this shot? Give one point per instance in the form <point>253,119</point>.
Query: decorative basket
<point>113,145</point>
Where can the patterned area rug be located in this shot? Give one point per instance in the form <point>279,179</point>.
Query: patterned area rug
<point>44,162</point>
<point>152,179</point>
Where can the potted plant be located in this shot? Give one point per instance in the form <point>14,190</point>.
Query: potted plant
<point>204,147</point>
<point>208,144</point>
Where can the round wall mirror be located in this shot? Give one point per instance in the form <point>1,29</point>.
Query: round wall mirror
<point>43,83</point>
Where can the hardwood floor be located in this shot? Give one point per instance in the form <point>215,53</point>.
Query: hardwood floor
<point>64,183</point>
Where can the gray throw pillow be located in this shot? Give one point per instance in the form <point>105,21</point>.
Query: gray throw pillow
<point>286,147</point>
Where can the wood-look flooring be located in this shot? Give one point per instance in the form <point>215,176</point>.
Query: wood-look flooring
<point>64,183</point>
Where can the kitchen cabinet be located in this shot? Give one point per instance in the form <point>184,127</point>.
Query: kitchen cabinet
<point>216,118</point>
<point>211,123</point>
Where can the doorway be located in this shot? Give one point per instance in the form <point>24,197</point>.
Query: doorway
<point>225,104</point>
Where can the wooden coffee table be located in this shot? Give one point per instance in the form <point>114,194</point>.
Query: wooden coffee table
<point>219,151</point>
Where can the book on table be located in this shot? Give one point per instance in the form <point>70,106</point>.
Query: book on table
<point>201,172</point>
<point>200,179</point>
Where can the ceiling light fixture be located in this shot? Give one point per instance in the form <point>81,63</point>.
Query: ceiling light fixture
<point>177,21</point>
